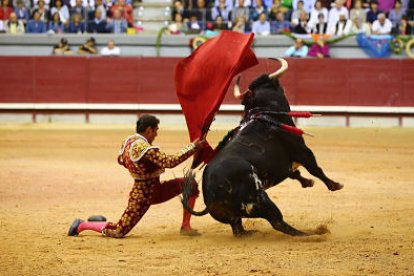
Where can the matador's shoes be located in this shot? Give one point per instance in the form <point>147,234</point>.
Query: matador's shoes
<point>97,218</point>
<point>73,229</point>
<point>189,232</point>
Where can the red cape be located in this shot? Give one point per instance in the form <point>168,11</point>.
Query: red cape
<point>203,78</point>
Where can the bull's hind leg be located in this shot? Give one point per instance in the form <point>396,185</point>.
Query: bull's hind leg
<point>305,182</point>
<point>308,160</point>
<point>268,210</point>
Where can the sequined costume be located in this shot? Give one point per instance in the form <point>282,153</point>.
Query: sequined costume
<point>146,163</point>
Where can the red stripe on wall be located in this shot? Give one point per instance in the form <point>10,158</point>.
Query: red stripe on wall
<point>344,82</point>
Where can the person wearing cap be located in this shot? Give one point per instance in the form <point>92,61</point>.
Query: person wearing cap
<point>88,47</point>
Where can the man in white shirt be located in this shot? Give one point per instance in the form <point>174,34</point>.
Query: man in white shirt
<point>342,27</point>
<point>382,25</point>
<point>110,49</point>
<point>334,13</point>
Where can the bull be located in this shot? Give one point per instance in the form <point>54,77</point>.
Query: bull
<point>258,155</point>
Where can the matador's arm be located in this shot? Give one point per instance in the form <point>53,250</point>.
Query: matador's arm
<point>164,160</point>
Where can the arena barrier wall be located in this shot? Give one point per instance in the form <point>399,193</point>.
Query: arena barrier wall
<point>132,85</point>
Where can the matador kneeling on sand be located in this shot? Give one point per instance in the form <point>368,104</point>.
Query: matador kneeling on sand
<point>145,163</point>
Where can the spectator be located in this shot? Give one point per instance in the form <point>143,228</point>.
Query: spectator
<point>297,50</point>
<point>319,49</point>
<point>280,25</point>
<point>178,27</point>
<point>99,5</point>
<point>26,3</point>
<point>42,10</point>
<point>358,17</point>
<point>385,5</point>
<point>6,9</point>
<point>111,49</point>
<point>21,12</point>
<point>46,2</point>
<point>116,25</point>
<point>221,10</point>
<point>201,13</point>
<point>382,25</point>
<point>321,27</point>
<point>301,26</point>
<point>240,11</point>
<point>314,15</point>
<point>126,11</point>
<point>35,25</point>
<point>406,26</point>
<point>179,8</point>
<point>256,11</point>
<point>395,16</point>
<point>240,25</point>
<point>219,24</point>
<point>62,10</point>
<point>342,27</point>
<point>265,3</point>
<point>296,13</point>
<point>261,26</point>
<point>307,5</point>
<point>55,25</point>
<point>76,26</point>
<point>89,47</point>
<point>97,25</point>
<point>373,12</point>
<point>14,25</point>
<point>62,48</point>
<point>228,3</point>
<point>78,9</point>
<point>335,12</point>
<point>194,26</point>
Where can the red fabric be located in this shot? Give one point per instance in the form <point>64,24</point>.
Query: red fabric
<point>202,80</point>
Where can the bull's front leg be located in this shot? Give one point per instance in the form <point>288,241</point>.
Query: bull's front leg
<point>305,182</point>
<point>308,160</point>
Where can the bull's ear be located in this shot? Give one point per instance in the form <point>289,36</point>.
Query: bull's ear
<point>284,66</point>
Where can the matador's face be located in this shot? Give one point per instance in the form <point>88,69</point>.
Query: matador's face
<point>151,133</point>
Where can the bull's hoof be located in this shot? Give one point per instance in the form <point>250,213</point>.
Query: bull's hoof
<point>97,218</point>
<point>307,183</point>
<point>244,234</point>
<point>335,186</point>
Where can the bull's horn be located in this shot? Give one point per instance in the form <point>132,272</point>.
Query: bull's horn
<point>237,93</point>
<point>282,69</point>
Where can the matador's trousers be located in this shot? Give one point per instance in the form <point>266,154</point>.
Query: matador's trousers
<point>144,194</point>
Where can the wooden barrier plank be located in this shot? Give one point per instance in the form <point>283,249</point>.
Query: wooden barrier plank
<point>16,79</point>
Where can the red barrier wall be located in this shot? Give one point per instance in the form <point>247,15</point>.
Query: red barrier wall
<point>345,82</point>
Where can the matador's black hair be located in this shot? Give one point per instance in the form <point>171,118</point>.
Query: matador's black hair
<point>145,121</point>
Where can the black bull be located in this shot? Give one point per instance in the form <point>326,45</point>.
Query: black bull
<point>259,155</point>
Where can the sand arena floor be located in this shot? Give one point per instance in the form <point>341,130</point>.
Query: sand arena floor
<point>50,175</point>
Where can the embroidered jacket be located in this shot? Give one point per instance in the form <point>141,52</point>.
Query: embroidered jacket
<point>145,161</point>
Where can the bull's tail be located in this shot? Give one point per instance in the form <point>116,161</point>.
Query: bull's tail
<point>189,179</point>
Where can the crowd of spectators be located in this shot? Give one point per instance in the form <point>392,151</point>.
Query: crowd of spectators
<point>262,17</point>
<point>322,17</point>
<point>65,16</point>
